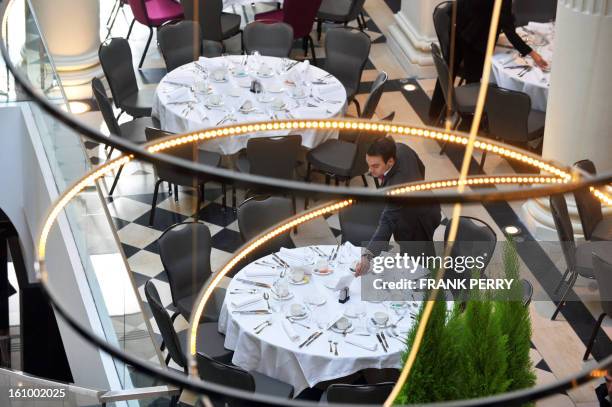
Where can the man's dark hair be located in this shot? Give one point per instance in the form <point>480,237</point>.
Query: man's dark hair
<point>383,147</point>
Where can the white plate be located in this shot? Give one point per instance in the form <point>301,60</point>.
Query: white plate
<point>277,298</point>
<point>318,273</point>
<point>322,300</point>
<point>219,81</point>
<point>351,328</point>
<point>265,76</point>
<point>298,317</point>
<point>304,281</point>
<point>213,105</point>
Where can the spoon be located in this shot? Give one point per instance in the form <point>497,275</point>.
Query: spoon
<point>266,296</point>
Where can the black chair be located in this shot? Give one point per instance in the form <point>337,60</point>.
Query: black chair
<point>603,274</point>
<point>341,158</point>
<point>275,39</point>
<point>216,25</point>
<point>116,60</point>
<point>578,259</point>
<point>511,119</point>
<point>213,371</point>
<point>372,394</point>
<point>179,43</point>
<point>442,21</point>
<point>527,292</point>
<point>212,49</point>
<point>359,221</point>
<point>541,11</point>
<point>347,53</point>
<point>133,130</point>
<point>594,225</point>
<point>340,12</point>
<point>188,152</point>
<point>209,340</point>
<point>184,250</point>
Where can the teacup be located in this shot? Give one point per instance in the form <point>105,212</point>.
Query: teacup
<point>297,274</point>
<point>281,288</point>
<point>239,71</point>
<point>322,265</point>
<point>201,86</point>
<point>264,69</point>
<point>214,100</point>
<point>297,310</point>
<point>278,103</point>
<point>219,74</point>
<point>381,318</point>
<point>342,323</point>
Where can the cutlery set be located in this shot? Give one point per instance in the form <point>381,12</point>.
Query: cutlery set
<point>383,341</point>
<point>255,283</point>
<point>262,326</point>
<point>310,339</point>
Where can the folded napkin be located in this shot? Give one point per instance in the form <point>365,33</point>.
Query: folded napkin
<point>361,344</point>
<point>334,319</point>
<point>184,78</point>
<point>314,298</point>
<point>180,95</point>
<point>288,328</point>
<point>350,250</point>
<point>327,89</point>
<point>262,272</point>
<point>209,63</point>
<point>292,255</point>
<point>243,302</point>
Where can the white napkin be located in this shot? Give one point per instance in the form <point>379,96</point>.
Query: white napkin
<point>334,319</point>
<point>361,344</point>
<point>243,302</point>
<point>291,255</point>
<point>350,250</point>
<point>184,78</point>
<point>262,272</point>
<point>344,281</point>
<point>209,63</point>
<point>291,334</point>
<point>180,95</point>
<point>327,89</point>
<point>331,282</point>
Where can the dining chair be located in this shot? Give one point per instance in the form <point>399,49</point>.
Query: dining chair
<point>594,225</point>
<point>347,52</point>
<point>152,14</point>
<point>511,119</point>
<point>184,250</point>
<point>213,371</point>
<point>116,60</point>
<point>442,20</point>
<point>372,394</point>
<point>527,292</point>
<point>602,270</point>
<point>275,39</point>
<point>216,25</point>
<point>172,176</point>
<point>133,130</point>
<point>359,221</point>
<point>179,43</point>
<point>212,49</point>
<point>209,340</point>
<point>340,12</point>
<point>578,259</point>
<point>300,15</point>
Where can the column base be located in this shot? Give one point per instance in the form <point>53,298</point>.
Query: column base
<point>412,50</point>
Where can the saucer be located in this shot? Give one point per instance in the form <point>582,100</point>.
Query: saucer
<point>298,317</point>
<point>323,273</point>
<point>265,99</point>
<point>277,298</point>
<point>304,96</point>
<point>350,328</point>
<point>242,74</point>
<point>276,89</point>
<point>311,301</point>
<point>265,76</point>
<point>304,281</point>
<point>219,80</point>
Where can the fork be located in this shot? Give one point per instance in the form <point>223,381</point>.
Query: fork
<point>267,324</point>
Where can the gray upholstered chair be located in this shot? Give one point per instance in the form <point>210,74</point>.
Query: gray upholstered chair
<point>578,258</point>
<point>184,250</point>
<point>133,130</point>
<point>340,12</point>
<point>216,25</point>
<point>209,340</point>
<point>347,53</point>
<point>213,371</point>
<point>212,49</point>
<point>603,274</point>
<point>359,221</point>
<point>179,43</point>
<point>275,39</point>
<point>594,225</point>
<point>116,60</point>
<point>371,394</point>
<point>188,152</point>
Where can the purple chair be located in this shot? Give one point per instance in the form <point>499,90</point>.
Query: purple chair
<point>153,13</point>
<point>300,15</point>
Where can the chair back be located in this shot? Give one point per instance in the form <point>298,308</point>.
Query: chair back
<point>184,250</point>
<point>589,207</point>
<point>139,10</point>
<point>474,238</point>
<point>165,325</point>
<point>105,106</point>
<point>212,49</point>
<point>508,114</point>
<point>442,20</point>
<point>300,15</point>
<point>376,92</point>
<point>179,43</point>
<point>116,60</point>
<point>347,52</point>
<point>261,212</point>
<point>213,371</point>
<point>208,14</point>
<point>373,394</point>
<point>274,157</point>
<point>187,152</point>
<point>603,274</point>
<point>565,232</point>
<point>541,11</point>
<point>356,8</point>
<point>275,39</point>
<point>448,90</point>
<point>359,221</point>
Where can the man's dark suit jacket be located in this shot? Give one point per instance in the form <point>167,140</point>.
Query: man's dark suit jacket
<point>415,223</point>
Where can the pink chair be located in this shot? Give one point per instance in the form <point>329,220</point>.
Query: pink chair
<point>300,15</point>
<point>153,13</point>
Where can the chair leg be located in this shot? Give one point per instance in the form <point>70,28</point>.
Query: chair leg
<point>308,174</point>
<point>130,29</point>
<point>234,197</point>
<point>110,193</point>
<point>570,284</point>
<point>120,113</point>
<point>365,181</point>
<point>363,21</point>
<point>312,49</point>
<point>357,106</point>
<point>294,204</point>
<point>199,201</point>
<point>327,179</point>
<point>224,194</point>
<point>561,281</point>
<point>337,180</point>
<point>146,48</point>
<point>319,29</point>
<point>175,193</point>
<point>443,149</point>
<point>113,10</point>
<point>482,160</point>
<point>110,152</point>
<point>594,335</point>
<point>154,203</point>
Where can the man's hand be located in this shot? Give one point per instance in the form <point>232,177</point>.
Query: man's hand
<point>537,58</point>
<point>362,267</point>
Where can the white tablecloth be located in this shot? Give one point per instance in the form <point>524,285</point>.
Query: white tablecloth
<point>181,117</point>
<point>274,354</point>
<point>535,82</point>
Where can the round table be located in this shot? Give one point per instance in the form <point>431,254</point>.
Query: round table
<point>272,352</point>
<point>508,65</point>
<point>183,98</point>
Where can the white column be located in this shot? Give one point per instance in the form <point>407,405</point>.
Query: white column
<point>578,119</point>
<point>411,36</point>
<point>71,29</point>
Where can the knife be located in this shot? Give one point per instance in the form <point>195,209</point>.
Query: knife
<point>314,338</point>
<point>384,338</point>
<point>336,252</point>
<point>308,339</point>
<point>255,283</point>
<point>279,260</point>
<point>253,312</point>
<point>381,342</point>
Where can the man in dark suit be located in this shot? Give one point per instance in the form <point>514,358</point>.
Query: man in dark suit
<point>394,164</point>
